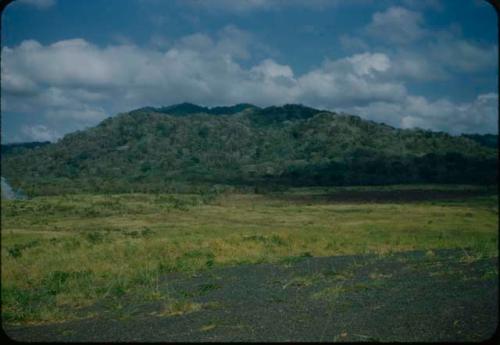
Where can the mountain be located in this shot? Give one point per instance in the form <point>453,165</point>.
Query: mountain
<point>488,140</point>
<point>187,147</point>
<point>6,148</point>
<point>190,108</point>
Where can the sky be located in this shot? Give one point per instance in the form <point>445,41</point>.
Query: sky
<point>67,65</point>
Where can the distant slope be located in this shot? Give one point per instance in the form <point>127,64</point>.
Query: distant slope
<point>190,109</point>
<point>187,147</point>
<point>488,140</point>
<point>7,148</point>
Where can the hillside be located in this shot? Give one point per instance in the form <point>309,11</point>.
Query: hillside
<point>8,148</point>
<point>488,140</point>
<point>186,147</point>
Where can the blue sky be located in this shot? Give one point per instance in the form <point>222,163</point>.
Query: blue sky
<point>68,64</point>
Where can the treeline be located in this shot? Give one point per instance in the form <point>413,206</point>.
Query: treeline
<point>8,148</point>
<point>383,170</point>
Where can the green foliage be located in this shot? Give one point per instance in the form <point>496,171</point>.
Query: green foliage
<point>188,148</point>
<point>17,250</point>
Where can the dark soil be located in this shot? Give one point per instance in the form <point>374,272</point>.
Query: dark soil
<point>391,196</point>
<point>413,296</point>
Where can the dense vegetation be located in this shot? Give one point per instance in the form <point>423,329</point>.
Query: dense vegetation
<point>189,148</point>
<point>488,140</point>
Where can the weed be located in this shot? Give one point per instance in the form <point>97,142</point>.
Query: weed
<point>329,294</point>
<point>289,261</point>
<point>208,327</point>
<point>17,249</point>
<point>303,281</point>
<point>490,275</point>
<point>205,288</point>
<point>133,234</point>
<point>378,276</point>
<point>94,237</point>
<point>273,240</point>
<point>70,244</point>
<point>211,305</point>
<point>335,275</point>
<point>58,281</point>
<point>201,290</point>
<point>146,232</point>
<point>15,252</point>
<point>179,307</point>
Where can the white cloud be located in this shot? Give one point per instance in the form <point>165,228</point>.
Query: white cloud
<point>477,116</point>
<point>83,114</point>
<point>159,41</point>
<point>480,115</point>
<point>367,64</point>
<point>39,133</point>
<point>417,65</point>
<point>349,81</point>
<point>418,52</point>
<point>396,25</point>
<point>443,57</point>
<point>75,72</point>
<point>235,42</point>
<point>462,55</point>
<point>270,69</point>
<point>353,43</point>
<point>73,83</point>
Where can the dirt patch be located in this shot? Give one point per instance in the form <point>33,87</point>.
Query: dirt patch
<point>412,296</point>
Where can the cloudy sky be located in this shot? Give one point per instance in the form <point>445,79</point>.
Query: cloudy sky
<point>68,64</point>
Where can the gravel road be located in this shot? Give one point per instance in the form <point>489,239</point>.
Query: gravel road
<point>413,296</point>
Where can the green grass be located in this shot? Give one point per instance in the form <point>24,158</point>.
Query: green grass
<point>62,253</point>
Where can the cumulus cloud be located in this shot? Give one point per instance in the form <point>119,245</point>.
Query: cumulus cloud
<point>352,43</point>
<point>396,25</point>
<point>443,57</point>
<point>462,55</point>
<point>74,83</point>
<point>477,116</point>
<point>418,52</point>
<point>480,115</point>
<point>349,81</point>
<point>270,69</point>
<point>74,72</point>
<point>417,65</point>
<point>39,133</point>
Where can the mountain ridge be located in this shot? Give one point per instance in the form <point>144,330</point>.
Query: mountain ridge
<point>178,147</point>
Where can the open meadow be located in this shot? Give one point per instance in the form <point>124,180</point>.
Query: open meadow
<point>76,257</point>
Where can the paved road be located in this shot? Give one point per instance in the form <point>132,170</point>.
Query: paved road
<point>410,296</point>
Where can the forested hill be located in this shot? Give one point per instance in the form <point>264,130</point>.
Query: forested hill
<point>188,147</point>
<point>6,148</point>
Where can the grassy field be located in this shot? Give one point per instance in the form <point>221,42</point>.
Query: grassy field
<point>62,253</point>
